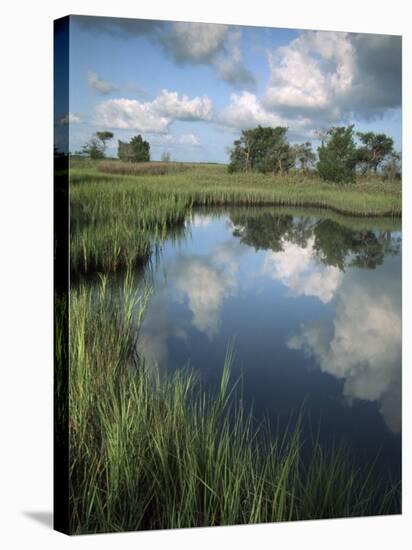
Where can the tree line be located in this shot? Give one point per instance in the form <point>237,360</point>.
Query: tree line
<point>340,158</point>
<point>136,150</point>
<point>342,154</point>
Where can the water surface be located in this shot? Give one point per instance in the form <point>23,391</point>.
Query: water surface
<point>313,307</point>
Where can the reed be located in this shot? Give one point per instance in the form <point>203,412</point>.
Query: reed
<point>141,168</point>
<point>153,452</point>
<point>118,221</point>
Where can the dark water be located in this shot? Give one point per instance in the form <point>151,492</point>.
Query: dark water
<point>314,309</point>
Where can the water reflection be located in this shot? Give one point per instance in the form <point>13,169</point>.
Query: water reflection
<point>299,269</point>
<point>363,345</point>
<point>307,298</point>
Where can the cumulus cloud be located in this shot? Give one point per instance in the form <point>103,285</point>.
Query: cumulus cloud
<point>363,346</point>
<point>70,118</point>
<point>311,71</point>
<point>299,270</point>
<point>245,111</point>
<point>98,84</point>
<point>169,104</point>
<point>152,116</point>
<point>332,75</point>
<point>130,114</point>
<point>206,43</point>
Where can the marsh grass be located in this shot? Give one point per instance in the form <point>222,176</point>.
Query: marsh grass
<point>141,168</point>
<point>117,221</point>
<point>151,452</point>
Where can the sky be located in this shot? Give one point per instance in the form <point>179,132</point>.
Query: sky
<point>191,88</point>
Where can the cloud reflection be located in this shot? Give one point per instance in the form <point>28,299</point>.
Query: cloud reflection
<point>300,270</point>
<point>205,281</point>
<point>363,345</point>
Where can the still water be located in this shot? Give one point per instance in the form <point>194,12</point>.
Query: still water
<point>313,309</point>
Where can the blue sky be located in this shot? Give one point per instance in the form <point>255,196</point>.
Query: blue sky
<point>190,88</point>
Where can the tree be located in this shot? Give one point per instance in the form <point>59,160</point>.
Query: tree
<point>338,155</point>
<point>264,149</point>
<point>137,150</point>
<point>304,155</point>
<point>241,154</point>
<point>375,148</point>
<point>103,137</point>
<point>166,157</point>
<point>93,148</point>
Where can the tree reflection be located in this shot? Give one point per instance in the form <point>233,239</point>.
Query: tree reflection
<point>334,244</point>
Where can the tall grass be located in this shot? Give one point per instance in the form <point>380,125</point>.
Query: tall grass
<point>151,452</point>
<point>113,227</point>
<point>117,221</point>
<point>141,168</point>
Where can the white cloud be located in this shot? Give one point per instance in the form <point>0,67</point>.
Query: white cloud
<point>169,104</point>
<point>245,111</point>
<point>299,269</point>
<point>363,347</point>
<point>334,75</point>
<point>311,71</point>
<point>152,116</point>
<point>130,114</point>
<point>70,118</point>
<point>98,84</point>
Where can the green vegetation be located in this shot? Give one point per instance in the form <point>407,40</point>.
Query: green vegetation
<point>96,147</point>
<point>267,150</point>
<point>151,452</point>
<point>262,149</point>
<point>148,452</point>
<point>375,148</point>
<point>142,168</point>
<point>118,221</point>
<point>137,150</point>
<point>338,156</point>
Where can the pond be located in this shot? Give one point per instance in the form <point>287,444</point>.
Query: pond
<point>312,308</point>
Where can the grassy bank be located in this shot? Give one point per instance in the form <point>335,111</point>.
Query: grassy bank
<point>151,453</point>
<point>118,220</point>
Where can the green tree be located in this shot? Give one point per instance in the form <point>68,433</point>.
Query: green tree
<point>338,155</point>
<point>137,150</point>
<point>374,150</point>
<point>104,136</point>
<point>264,149</point>
<point>241,153</point>
<point>304,155</point>
<point>94,148</point>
